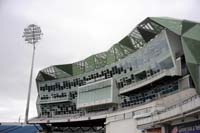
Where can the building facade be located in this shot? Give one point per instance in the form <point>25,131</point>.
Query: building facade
<point>147,82</point>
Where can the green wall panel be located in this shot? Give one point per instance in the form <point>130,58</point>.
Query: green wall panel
<point>89,64</point>
<point>191,50</point>
<point>186,25</point>
<point>195,73</point>
<point>172,24</point>
<point>193,33</point>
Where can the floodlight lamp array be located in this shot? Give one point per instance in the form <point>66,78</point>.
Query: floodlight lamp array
<point>32,34</point>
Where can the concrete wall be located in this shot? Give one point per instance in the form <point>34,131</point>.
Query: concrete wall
<point>122,126</point>
<point>124,122</point>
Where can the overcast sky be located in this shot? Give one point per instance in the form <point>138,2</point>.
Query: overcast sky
<point>73,30</point>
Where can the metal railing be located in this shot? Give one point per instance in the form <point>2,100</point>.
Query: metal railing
<point>157,75</point>
<point>171,111</point>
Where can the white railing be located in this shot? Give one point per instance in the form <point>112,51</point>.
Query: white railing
<point>178,109</point>
<point>54,100</point>
<point>70,117</point>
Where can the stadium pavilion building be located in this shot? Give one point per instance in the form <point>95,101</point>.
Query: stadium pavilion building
<point>147,82</point>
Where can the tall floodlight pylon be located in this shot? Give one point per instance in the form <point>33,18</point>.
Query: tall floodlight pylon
<point>32,35</point>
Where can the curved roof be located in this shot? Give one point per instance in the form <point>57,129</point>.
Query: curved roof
<point>136,39</point>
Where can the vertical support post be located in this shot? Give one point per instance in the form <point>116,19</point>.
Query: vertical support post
<point>29,88</point>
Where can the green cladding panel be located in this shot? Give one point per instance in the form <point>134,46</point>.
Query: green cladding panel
<point>188,53</point>
<point>89,64</point>
<point>78,68</point>
<point>100,60</point>
<point>191,48</point>
<point>195,72</point>
<point>126,41</point>
<point>119,52</point>
<point>172,24</point>
<point>66,68</point>
<point>186,25</point>
<point>111,56</point>
<point>46,76</point>
<point>193,33</point>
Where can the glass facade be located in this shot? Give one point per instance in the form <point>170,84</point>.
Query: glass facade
<point>154,56</point>
<point>94,88</point>
<point>95,93</point>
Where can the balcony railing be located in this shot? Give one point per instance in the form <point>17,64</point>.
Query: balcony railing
<point>185,106</point>
<point>148,80</point>
<point>53,100</point>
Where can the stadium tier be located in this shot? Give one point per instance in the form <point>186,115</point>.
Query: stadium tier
<point>17,128</point>
<point>147,82</point>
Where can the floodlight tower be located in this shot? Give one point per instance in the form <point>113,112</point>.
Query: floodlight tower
<point>32,35</point>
